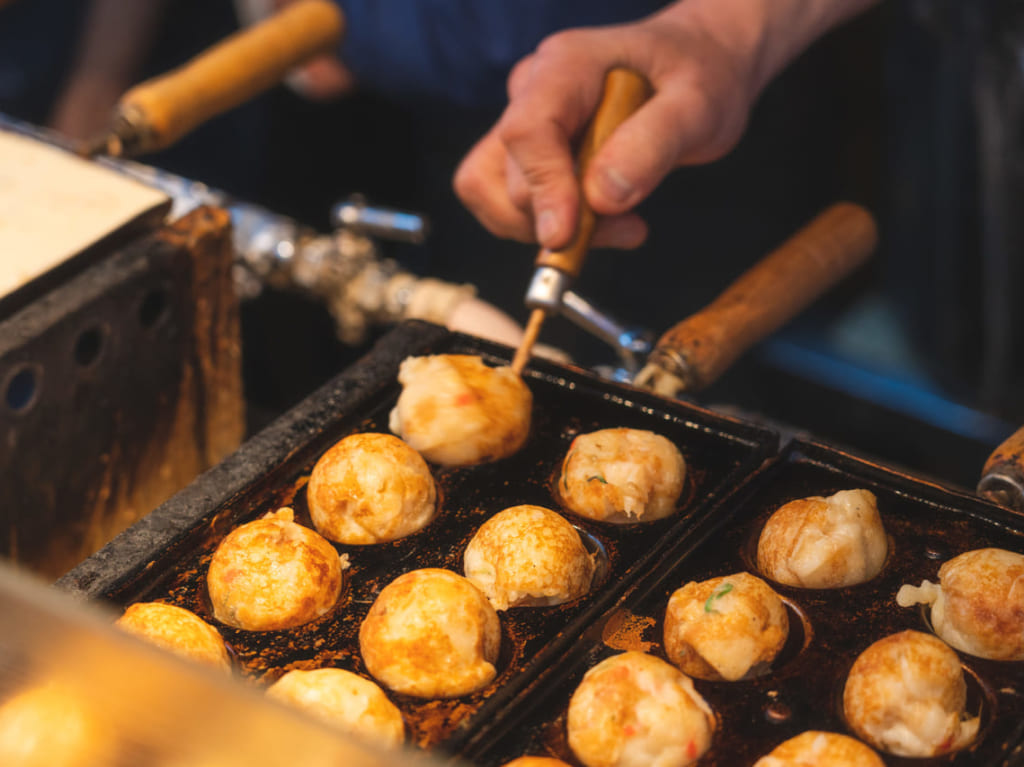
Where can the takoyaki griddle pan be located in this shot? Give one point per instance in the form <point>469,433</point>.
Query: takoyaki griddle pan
<point>165,556</point>
<point>926,525</point>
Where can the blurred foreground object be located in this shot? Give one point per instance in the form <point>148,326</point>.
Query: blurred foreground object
<point>76,691</point>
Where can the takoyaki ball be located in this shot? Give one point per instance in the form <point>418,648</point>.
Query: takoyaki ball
<point>723,627</point>
<point>49,725</point>
<point>906,695</point>
<point>536,761</point>
<point>978,604</point>
<point>176,629</point>
<point>344,700</point>
<point>814,748</point>
<point>273,573</point>
<point>457,411</point>
<point>370,488</point>
<point>636,710</point>
<point>431,634</point>
<point>528,556</point>
<point>824,543</point>
<point>622,476</point>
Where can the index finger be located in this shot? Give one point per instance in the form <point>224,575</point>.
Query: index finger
<point>553,97</point>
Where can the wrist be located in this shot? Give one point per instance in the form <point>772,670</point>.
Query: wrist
<point>764,35</point>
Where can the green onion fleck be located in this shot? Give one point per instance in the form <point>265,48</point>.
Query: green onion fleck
<point>720,592</point>
<point>599,478</point>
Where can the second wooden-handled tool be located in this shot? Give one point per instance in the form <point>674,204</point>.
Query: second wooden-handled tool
<point>624,92</point>
<point>158,112</point>
<point>699,349</point>
<point>1002,479</point>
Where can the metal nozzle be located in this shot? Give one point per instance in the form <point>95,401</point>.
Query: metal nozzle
<point>389,224</point>
<point>547,288</point>
<point>1003,489</point>
<point>667,373</point>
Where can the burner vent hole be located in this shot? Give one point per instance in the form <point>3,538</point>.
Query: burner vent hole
<point>88,346</point>
<point>20,393</point>
<point>153,307</point>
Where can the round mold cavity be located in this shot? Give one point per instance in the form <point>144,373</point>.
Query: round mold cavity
<point>595,547</point>
<point>153,307</point>
<point>21,389</point>
<point>801,634</point>
<point>89,346</point>
<point>509,655</point>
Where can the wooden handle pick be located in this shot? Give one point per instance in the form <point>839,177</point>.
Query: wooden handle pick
<point>624,92</point>
<point>1002,479</point>
<point>699,349</point>
<point>158,112</point>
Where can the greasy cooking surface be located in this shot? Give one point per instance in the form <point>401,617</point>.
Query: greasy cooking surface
<point>271,471</point>
<point>926,526</point>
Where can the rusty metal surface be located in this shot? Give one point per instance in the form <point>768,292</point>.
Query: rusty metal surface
<point>118,387</point>
<point>166,555</point>
<point>926,525</point>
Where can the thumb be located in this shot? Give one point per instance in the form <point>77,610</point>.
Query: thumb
<point>677,126</point>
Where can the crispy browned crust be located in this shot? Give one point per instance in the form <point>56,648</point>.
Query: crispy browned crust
<point>984,592</point>
<point>536,556</point>
<point>409,639</point>
<point>695,620</point>
<point>879,695</point>
<point>855,543</point>
<point>370,488</point>
<point>815,748</point>
<point>178,630</point>
<point>248,578</point>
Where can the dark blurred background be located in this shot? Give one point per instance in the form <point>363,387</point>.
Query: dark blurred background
<point>913,110</point>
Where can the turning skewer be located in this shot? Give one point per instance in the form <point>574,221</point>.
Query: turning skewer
<point>624,92</point>
<point>525,349</point>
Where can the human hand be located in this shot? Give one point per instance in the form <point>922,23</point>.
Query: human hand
<point>519,179</point>
<point>706,60</point>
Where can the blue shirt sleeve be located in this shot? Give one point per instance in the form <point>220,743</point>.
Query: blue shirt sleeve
<point>460,51</point>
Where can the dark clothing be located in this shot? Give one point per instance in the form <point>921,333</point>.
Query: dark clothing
<point>460,51</point>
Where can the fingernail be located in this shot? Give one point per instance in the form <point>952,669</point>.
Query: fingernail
<point>547,226</point>
<point>614,185</point>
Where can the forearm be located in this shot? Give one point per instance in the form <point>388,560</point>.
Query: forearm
<point>767,34</point>
<point>111,52</point>
<point>117,37</point>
